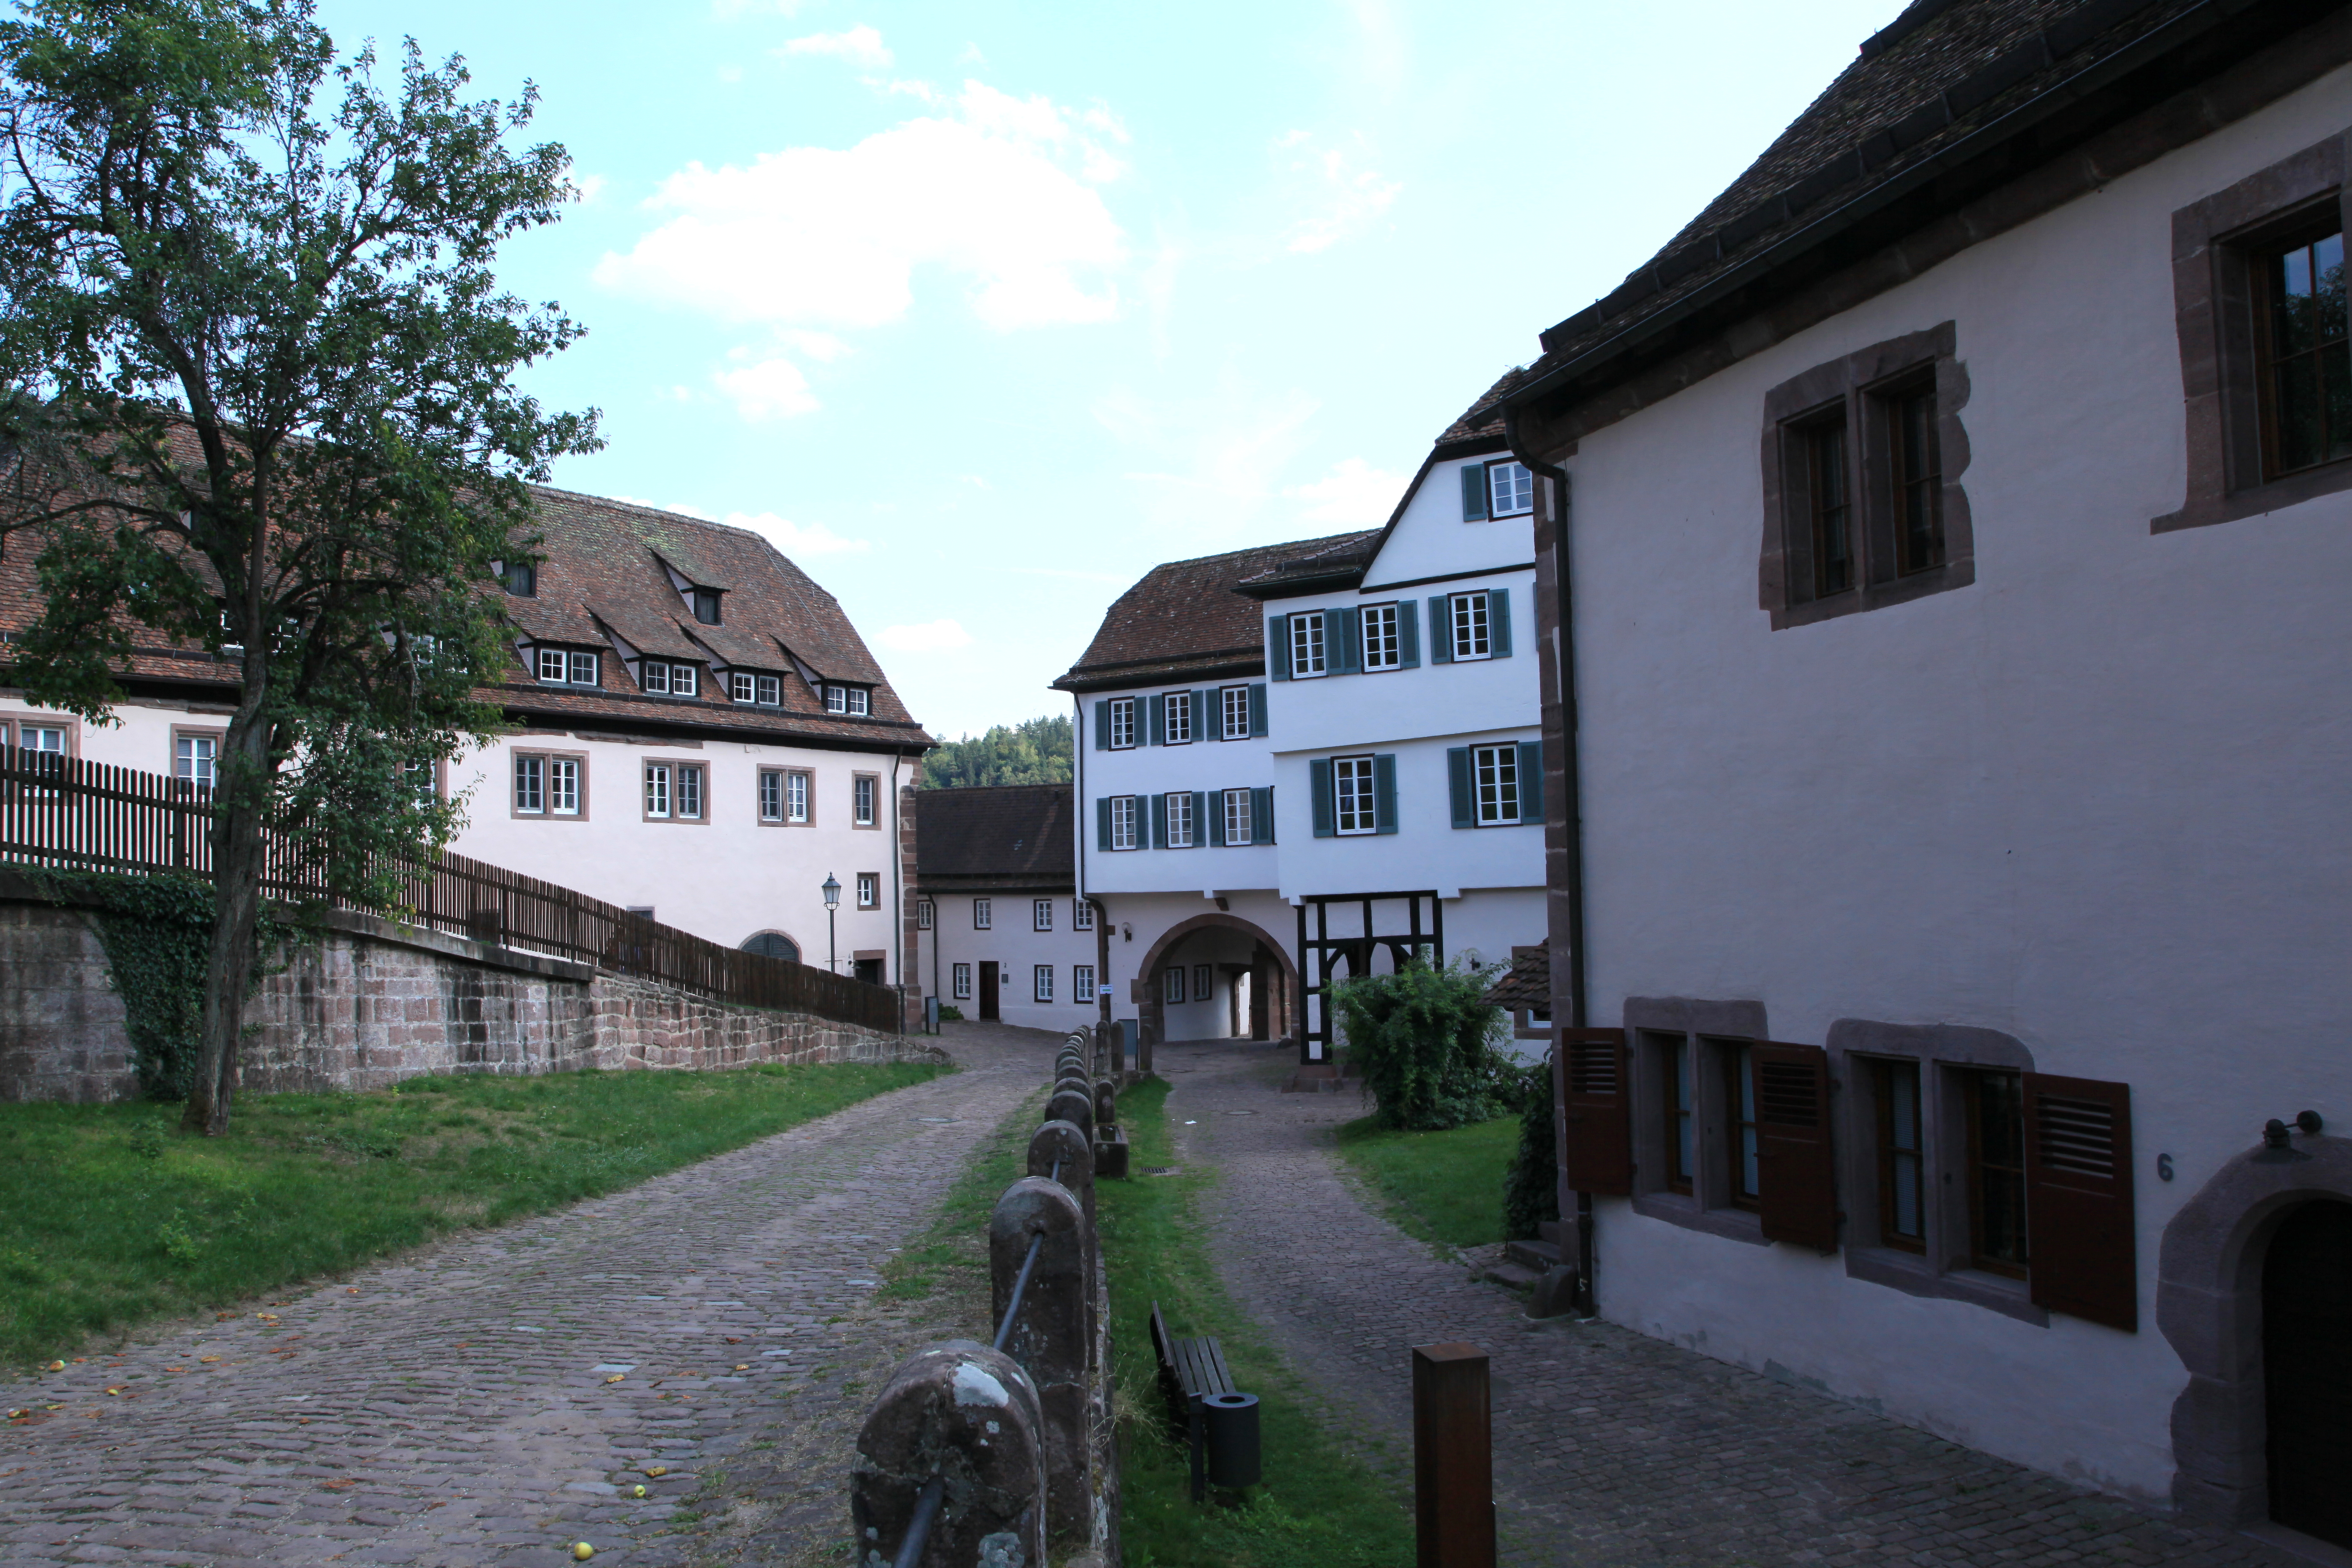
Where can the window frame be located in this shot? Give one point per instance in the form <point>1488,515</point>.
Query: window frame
<point>1169,701</point>
<point>1172,985</point>
<point>865,795</point>
<point>1479,646</point>
<point>1892,1156</point>
<point>868,886</point>
<point>1133,812</point>
<point>1041,984</point>
<point>1082,984</point>
<point>927,915</point>
<point>196,732</point>
<point>674,790</point>
<point>1121,715</point>
<point>1248,818</point>
<point>1205,982</point>
<point>13,728</point>
<point>960,980</point>
<point>1357,774</point>
<point>1505,752</point>
<point>1226,704</point>
<point>1391,642</point>
<point>1178,802</point>
<point>2318,228</point>
<point>768,781</point>
<point>1082,915</point>
<point>1498,469</point>
<point>1309,633</point>
<point>1041,914</point>
<point>1977,1168</point>
<point>983,914</point>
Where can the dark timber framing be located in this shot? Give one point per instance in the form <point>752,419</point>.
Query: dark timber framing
<point>1318,954</point>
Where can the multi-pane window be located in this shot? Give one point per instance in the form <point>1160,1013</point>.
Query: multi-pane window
<point>574,666</point>
<point>1829,505</point>
<point>674,791</point>
<point>869,890</point>
<point>552,665</point>
<point>1172,983</point>
<point>1204,987</point>
<point>2302,357</point>
<point>705,604</point>
<point>856,701</point>
<point>771,796</point>
<point>1351,795</point>
<point>1902,1219</point>
<point>1919,476</point>
<point>1495,784</point>
<point>1178,710</point>
<point>1239,823</point>
<point>766,691</point>
<point>45,743</point>
<point>1681,1124</point>
<point>1995,1107</point>
<point>657,781</point>
<point>1307,645</point>
<point>963,982</point>
<point>925,914</point>
<point>796,796</point>
<point>1122,723</point>
<point>670,679</point>
<point>1082,982</point>
<point>1470,624</point>
<point>862,792</point>
<point>1510,489</point>
<point>584,669</point>
<point>1041,914</point>
<point>1180,819</point>
<point>1739,1122</point>
<point>1122,821</point>
<point>1082,915</point>
<point>1041,982</point>
<point>196,759</point>
<point>983,914</point>
<point>519,578</point>
<point>530,786</point>
<point>1234,703</point>
<point>1382,650</point>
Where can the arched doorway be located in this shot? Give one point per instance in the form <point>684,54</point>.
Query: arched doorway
<point>775,944</point>
<point>2307,1370</point>
<point>1229,951</point>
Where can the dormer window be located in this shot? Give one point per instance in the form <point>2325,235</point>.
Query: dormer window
<point>668,679</point>
<point>766,691</point>
<point>704,602</point>
<point>567,666</point>
<point>853,700</point>
<point>1502,489</point>
<point>519,578</point>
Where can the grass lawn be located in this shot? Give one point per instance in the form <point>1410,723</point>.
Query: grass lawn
<point>1443,1187</point>
<point>1323,1505</point>
<point>115,1218</point>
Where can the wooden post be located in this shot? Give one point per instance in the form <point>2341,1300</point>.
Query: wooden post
<point>1452,1458</point>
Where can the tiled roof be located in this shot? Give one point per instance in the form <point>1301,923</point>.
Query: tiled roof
<point>1011,835</point>
<point>604,573</point>
<point>1527,983</point>
<point>1941,73</point>
<point>1189,617</point>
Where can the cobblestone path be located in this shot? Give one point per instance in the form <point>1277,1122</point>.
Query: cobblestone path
<point>1611,1449</point>
<point>492,1398</point>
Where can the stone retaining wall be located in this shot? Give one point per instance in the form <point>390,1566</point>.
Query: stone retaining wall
<point>373,1001</point>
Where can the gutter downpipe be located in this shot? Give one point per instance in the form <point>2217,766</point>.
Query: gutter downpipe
<point>1571,799</point>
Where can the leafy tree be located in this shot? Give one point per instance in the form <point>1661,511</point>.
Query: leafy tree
<point>1423,1039</point>
<point>260,400</point>
<point>1035,751</point>
<point>1531,1186</point>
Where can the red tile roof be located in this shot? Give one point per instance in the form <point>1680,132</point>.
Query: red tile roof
<point>1006,836</point>
<point>1527,984</point>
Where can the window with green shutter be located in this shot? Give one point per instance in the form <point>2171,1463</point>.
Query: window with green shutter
<point>1102,726</point>
<point>1499,621</point>
<point>1319,800</point>
<point>1458,785</point>
<point>1384,792</point>
<point>1257,712</point>
<point>1473,493</point>
<point>1277,646</point>
<point>1441,633</point>
<point>1532,784</point>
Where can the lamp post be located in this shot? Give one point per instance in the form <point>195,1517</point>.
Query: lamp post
<point>832,903</point>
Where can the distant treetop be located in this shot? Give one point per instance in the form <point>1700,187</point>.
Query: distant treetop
<point>1035,751</point>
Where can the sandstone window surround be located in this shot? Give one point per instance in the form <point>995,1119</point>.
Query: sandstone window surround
<point>1863,502</point>
<point>869,890</point>
<point>550,785</point>
<point>2215,245</point>
<point>196,755</point>
<point>44,735</point>
<point>864,796</point>
<point>674,790</point>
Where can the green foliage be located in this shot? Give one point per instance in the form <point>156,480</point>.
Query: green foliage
<point>113,1219</point>
<point>951,1013</point>
<point>1532,1188</point>
<point>1422,1038</point>
<point>1438,1187</point>
<point>1035,751</point>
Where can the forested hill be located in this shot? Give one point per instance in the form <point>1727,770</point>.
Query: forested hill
<point>1036,751</point>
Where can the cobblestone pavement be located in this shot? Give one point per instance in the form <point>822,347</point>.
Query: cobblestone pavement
<point>1610,1447</point>
<point>494,1397</point>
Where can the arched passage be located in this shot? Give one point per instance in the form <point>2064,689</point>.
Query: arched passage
<point>1214,942</point>
<point>772,944</point>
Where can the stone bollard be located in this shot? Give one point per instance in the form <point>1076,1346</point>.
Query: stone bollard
<point>972,1415</point>
<point>1052,1334</point>
<point>1105,1108</point>
<point>1075,1107</point>
<point>1066,1141</point>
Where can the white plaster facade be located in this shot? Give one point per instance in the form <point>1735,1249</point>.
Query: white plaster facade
<point>954,947</point>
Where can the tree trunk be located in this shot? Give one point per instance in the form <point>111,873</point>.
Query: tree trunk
<point>244,775</point>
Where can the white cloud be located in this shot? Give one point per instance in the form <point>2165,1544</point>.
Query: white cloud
<point>931,637</point>
<point>996,191</point>
<point>1354,494</point>
<point>860,46</point>
<point>590,187</point>
<point>793,538</point>
<point>1337,199</point>
<point>770,389</point>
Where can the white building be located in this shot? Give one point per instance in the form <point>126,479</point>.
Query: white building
<point>693,729</point>
<point>1956,631</point>
<point>1002,934</point>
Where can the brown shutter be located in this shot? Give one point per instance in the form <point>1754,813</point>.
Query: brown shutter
<point>1796,1179</point>
<point>2082,1254</point>
<point>1598,1154</point>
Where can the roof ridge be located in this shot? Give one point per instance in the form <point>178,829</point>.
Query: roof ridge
<point>1328,538</point>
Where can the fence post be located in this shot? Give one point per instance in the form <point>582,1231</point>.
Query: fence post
<point>1452,1458</point>
<point>1050,1334</point>
<point>1075,1106</point>
<point>969,1417</point>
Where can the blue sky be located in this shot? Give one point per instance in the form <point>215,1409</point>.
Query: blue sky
<point>980,309</point>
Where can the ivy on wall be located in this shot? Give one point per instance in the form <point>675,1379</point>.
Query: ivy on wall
<point>1532,1189</point>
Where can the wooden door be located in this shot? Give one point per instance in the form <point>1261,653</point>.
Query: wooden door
<point>2307,1370</point>
<point>988,993</point>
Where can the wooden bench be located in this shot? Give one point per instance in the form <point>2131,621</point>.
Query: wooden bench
<point>1190,1370</point>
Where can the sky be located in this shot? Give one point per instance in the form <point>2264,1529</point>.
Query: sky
<point>978,311</point>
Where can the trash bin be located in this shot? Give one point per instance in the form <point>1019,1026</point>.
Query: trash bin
<point>1231,1420</point>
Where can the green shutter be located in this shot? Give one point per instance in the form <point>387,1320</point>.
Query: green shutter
<point>1474,493</point>
<point>1319,780</point>
<point>1408,633</point>
<point>1457,785</point>
<point>1262,815</point>
<point>1257,710</point>
<point>1531,788</point>
<point>1208,716</point>
<point>1440,629</point>
<point>1348,652</point>
<point>1159,822</point>
<point>1384,804</point>
<point>1102,821</point>
<point>1217,819</point>
<point>1200,817</point>
<point>1277,646</point>
<point>1156,731</point>
<point>1102,726</point>
<point>1499,621</point>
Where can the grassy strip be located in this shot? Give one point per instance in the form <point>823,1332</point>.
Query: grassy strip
<point>1322,1506</point>
<point>1445,1188</point>
<point>115,1218</point>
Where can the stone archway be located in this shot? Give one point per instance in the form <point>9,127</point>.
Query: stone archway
<point>2209,1304</point>
<point>1150,1011</point>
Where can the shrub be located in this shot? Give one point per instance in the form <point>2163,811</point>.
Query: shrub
<point>1422,1038</point>
<point>1531,1186</point>
<point>951,1013</point>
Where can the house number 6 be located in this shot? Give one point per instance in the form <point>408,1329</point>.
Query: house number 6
<point>2164,1167</point>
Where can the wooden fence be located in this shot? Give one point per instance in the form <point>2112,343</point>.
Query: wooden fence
<point>68,814</point>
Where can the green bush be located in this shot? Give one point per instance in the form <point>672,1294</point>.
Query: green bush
<point>1423,1040</point>
<point>1531,1186</point>
<point>951,1013</point>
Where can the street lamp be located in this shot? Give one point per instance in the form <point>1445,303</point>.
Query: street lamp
<point>832,902</point>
